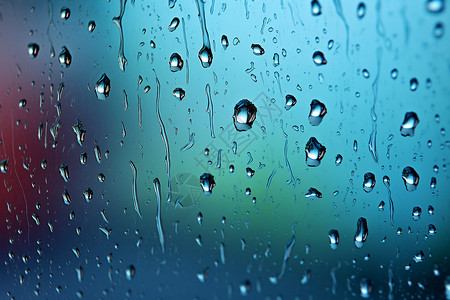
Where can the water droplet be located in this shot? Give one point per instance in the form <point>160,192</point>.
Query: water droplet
<point>361,233</point>
<point>319,58</point>
<point>394,74</point>
<point>200,218</point>
<point>80,132</point>
<point>88,195</point>
<point>413,84</point>
<point>248,192</point>
<point>290,102</point>
<point>381,205</point>
<point>250,172</point>
<point>175,62</point>
<point>64,171</point>
<point>65,58</point>
<point>152,44</point>
<point>43,164</point>
<point>83,158</point>
<point>409,124</point>
<point>361,10</point>
<point>338,160</point>
<point>410,178</point>
<point>245,288</point>
<point>430,210</point>
<point>130,271</point>
<point>98,153</point>
<point>22,103</point>
<point>369,182</point>
<point>231,169</point>
<point>316,8</point>
<point>333,235</point>
<point>438,30</point>
<point>224,41</point>
<point>435,6</point>
<point>103,87</point>
<point>66,197</point>
<point>65,13</point>
<point>101,177</point>
<point>257,49</point>
<point>365,287</point>
<point>365,73</point>
<point>419,256</point>
<point>146,89</point>
<point>416,213</point>
<point>431,229</point>
<point>179,93</point>
<point>4,166</point>
<point>205,56</point>
<point>317,112</point>
<point>207,183</point>
<point>433,183</point>
<point>314,152</point>
<point>33,50</point>
<point>244,115</point>
<point>174,24</point>
<point>91,26</point>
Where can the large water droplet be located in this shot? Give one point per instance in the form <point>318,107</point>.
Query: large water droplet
<point>65,58</point>
<point>33,50</point>
<point>80,132</point>
<point>313,193</point>
<point>316,8</point>
<point>369,182</point>
<point>205,56</point>
<point>319,58</point>
<point>416,213</point>
<point>290,102</point>
<point>361,233</point>
<point>431,229</point>
<point>314,152</point>
<point>409,124</point>
<point>65,13</point>
<point>88,195</point>
<point>410,178</point>
<point>207,183</point>
<point>174,24</point>
<point>365,287</point>
<point>333,235</point>
<point>4,166</point>
<point>257,49</point>
<point>175,62</point>
<point>361,10</point>
<point>317,112</point>
<point>435,6</point>
<point>91,26</point>
<point>244,115</point>
<point>130,271</point>
<point>102,87</point>
<point>179,93</point>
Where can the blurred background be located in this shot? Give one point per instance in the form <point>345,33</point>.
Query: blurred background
<point>165,110</point>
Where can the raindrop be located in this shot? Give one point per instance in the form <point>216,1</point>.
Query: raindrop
<point>207,183</point>
<point>435,6</point>
<point>365,73</point>
<point>224,41</point>
<point>381,205</point>
<point>431,229</point>
<point>102,87</point>
<point>80,132</point>
<point>409,124</point>
<point>430,210</point>
<point>65,13</point>
<point>91,26</point>
<point>365,287</point>
<point>361,10</point>
<point>33,50</point>
<point>257,49</point>
<point>179,93</point>
<point>231,169</point>
<point>64,171</point>
<point>130,271</point>
<point>290,102</point>
<point>175,62</point>
<point>317,112</point>
<point>394,74</point>
<point>316,8</point>
<point>369,182</point>
<point>338,160</point>
<point>333,235</point>
<point>101,177</point>
<point>22,103</point>
<point>419,256</point>
<point>314,152</point>
<point>250,172</point>
<point>83,158</point>
<point>205,56</point>
<point>438,30</point>
<point>413,84</point>
<point>66,197</point>
<point>244,115</point>
<point>433,183</point>
<point>361,233</point>
<point>416,213</point>
<point>65,58</point>
<point>174,24</point>
<point>319,58</point>
<point>313,194</point>
<point>88,195</point>
<point>410,178</point>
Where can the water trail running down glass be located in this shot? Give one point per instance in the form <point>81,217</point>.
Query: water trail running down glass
<point>391,203</point>
<point>189,144</point>
<point>157,188</point>
<point>210,110</point>
<point>205,54</point>
<point>373,134</point>
<point>118,21</point>
<point>164,138</point>
<point>134,190</point>
<point>287,255</point>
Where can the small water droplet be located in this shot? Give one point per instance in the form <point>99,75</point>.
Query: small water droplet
<point>207,183</point>
<point>319,58</point>
<point>413,84</point>
<point>250,172</point>
<point>394,74</point>
<point>174,24</point>
<point>65,13</point>
<point>205,56</point>
<point>200,218</point>
<point>88,195</point>
<point>80,132</point>
<point>65,58</point>
<point>224,42</point>
<point>66,197</point>
<point>103,87</point>
<point>313,194</point>
<point>130,272</point>
<point>361,232</point>
<point>22,103</point>
<point>244,115</point>
<point>231,169</point>
<point>91,26</point>
<point>431,229</point>
<point>338,160</point>
<point>64,171</point>
<point>419,256</point>
<point>83,158</point>
<point>179,93</point>
<point>257,49</point>
<point>410,178</point>
<point>33,50</point>
<point>409,124</point>
<point>290,102</point>
<point>369,182</point>
<point>175,62</point>
<point>361,10</point>
<point>365,73</point>
<point>333,235</point>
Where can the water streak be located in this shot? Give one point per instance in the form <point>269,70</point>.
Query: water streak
<point>118,21</point>
<point>219,159</point>
<point>287,255</point>
<point>210,110</point>
<point>164,138</point>
<point>206,48</point>
<point>157,187</point>
<point>189,144</point>
<point>292,179</point>
<point>134,190</point>
<point>373,134</point>
<point>340,13</point>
